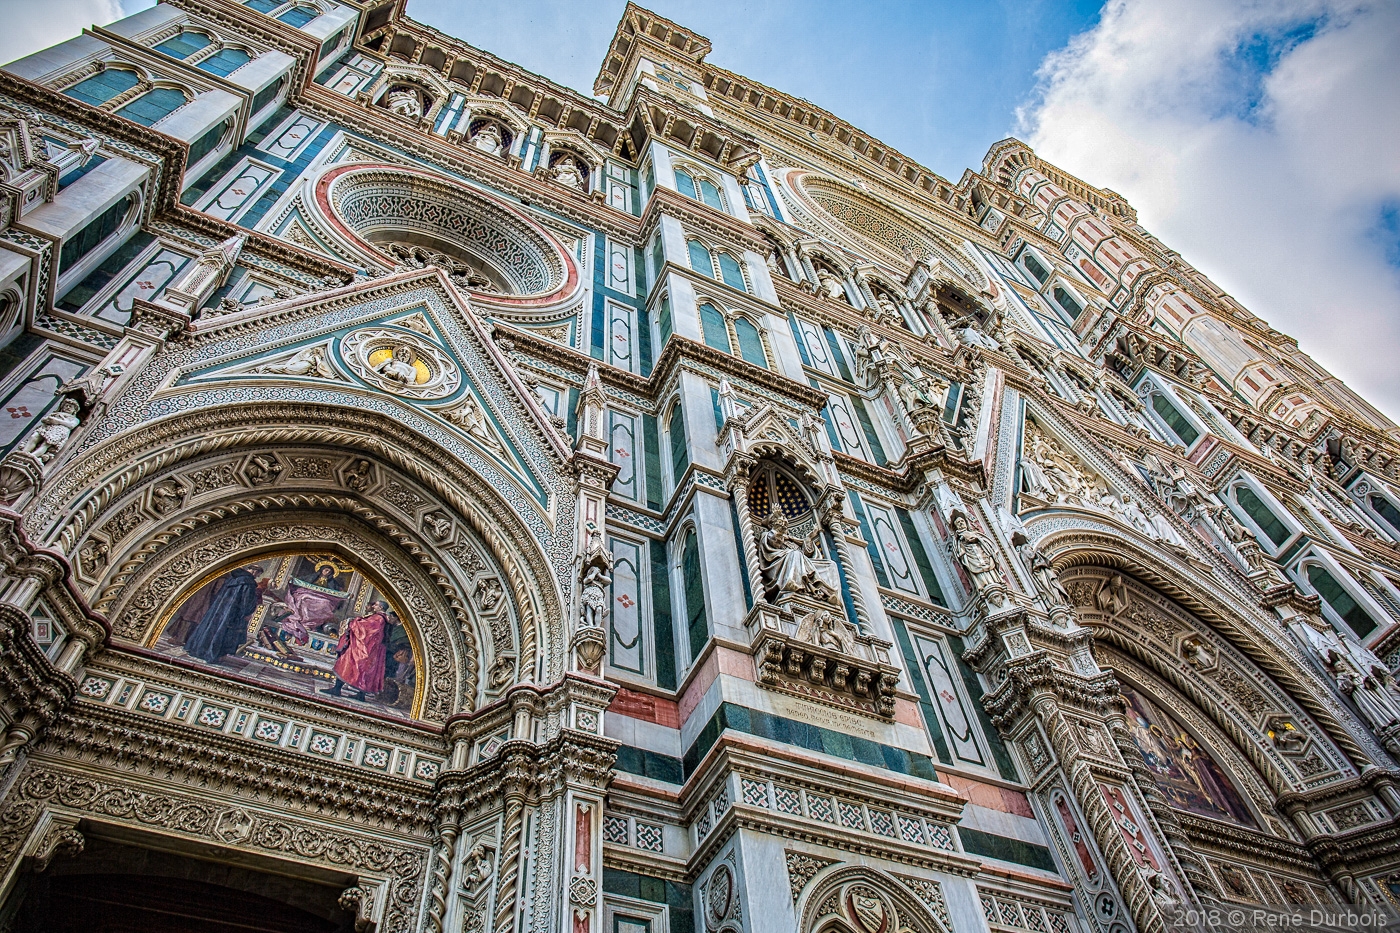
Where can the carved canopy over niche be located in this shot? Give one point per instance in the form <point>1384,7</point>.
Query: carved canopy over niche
<point>389,213</point>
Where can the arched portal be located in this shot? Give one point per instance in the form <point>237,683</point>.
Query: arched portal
<point>1217,741</point>
<point>271,554</point>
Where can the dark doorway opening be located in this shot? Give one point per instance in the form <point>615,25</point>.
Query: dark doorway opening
<point>113,887</point>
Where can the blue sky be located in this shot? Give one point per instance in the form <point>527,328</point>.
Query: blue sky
<point>938,80</point>
<point>1256,137</point>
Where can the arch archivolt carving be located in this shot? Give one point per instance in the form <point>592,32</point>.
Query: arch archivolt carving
<point>866,900</point>
<point>411,490</point>
<point>861,219</point>
<point>1155,639</point>
<point>448,643</point>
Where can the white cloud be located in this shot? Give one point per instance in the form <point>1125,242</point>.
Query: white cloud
<point>31,25</point>
<point>1259,139</point>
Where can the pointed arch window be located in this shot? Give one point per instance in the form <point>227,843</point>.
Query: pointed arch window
<point>698,188</point>
<point>1386,510</point>
<point>1340,601</point>
<point>153,106</point>
<point>1275,530</point>
<point>700,259</point>
<point>225,62</point>
<point>1174,419</point>
<point>1068,302</point>
<point>709,194</point>
<point>750,342</point>
<point>184,45</point>
<point>95,233</point>
<point>696,625</point>
<point>1034,267</point>
<point>206,144</point>
<point>101,88</point>
<point>680,455</point>
<point>714,328</point>
<point>730,273</point>
<point>685,184</point>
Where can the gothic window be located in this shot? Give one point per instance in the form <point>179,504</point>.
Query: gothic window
<point>680,454</point>
<point>206,144</point>
<point>95,233</point>
<point>153,105</point>
<point>103,86</point>
<point>685,184</point>
<point>224,62</point>
<point>693,594</point>
<point>1262,516</point>
<point>658,259</point>
<point>1068,302</point>
<point>265,96</point>
<point>750,342</point>
<point>698,188</point>
<point>663,320</point>
<point>1034,266</point>
<point>299,16</point>
<point>1340,601</point>
<point>729,271</point>
<point>713,327</point>
<point>1174,420</point>
<point>721,265</point>
<point>700,259</point>
<point>262,6</point>
<point>1386,510</point>
<point>184,45</point>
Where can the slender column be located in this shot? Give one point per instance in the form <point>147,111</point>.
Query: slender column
<point>739,489</point>
<point>836,524</point>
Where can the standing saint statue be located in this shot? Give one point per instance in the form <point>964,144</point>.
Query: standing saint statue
<point>974,552</point>
<point>1047,581</point>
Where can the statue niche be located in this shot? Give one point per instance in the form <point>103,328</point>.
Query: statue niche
<point>789,542</point>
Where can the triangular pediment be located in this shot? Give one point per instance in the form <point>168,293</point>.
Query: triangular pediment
<point>407,345</point>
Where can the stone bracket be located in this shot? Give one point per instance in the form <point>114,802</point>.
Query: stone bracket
<point>856,676</point>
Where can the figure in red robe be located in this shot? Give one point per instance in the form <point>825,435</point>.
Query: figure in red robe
<point>360,661</point>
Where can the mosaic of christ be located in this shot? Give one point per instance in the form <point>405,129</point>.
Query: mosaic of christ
<point>308,623</point>
<point>1187,775</point>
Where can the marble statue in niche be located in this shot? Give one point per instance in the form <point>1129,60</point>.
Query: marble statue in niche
<point>569,173</point>
<point>406,102</point>
<point>489,139</point>
<point>791,564</point>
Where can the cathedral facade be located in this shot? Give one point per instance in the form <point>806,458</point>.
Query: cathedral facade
<point>432,499</point>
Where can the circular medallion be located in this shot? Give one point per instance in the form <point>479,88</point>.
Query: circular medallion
<point>401,363</point>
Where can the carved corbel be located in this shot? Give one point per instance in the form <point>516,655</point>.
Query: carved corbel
<point>60,840</point>
<point>360,901</point>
